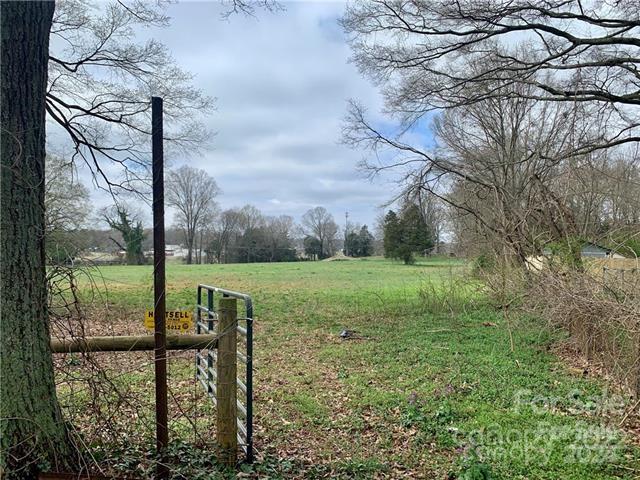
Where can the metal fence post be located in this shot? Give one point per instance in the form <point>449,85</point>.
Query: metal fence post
<point>160,357</point>
<point>226,367</point>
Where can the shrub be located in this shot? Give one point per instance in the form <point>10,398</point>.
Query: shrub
<point>601,314</point>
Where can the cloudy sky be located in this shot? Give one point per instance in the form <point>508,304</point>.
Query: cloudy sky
<point>282,81</point>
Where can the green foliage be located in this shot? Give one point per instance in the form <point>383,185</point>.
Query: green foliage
<point>416,234</point>
<point>483,263</point>
<point>312,247</point>
<point>392,234</point>
<point>185,461</point>
<point>627,243</point>
<point>566,253</point>
<point>132,233</point>
<point>406,235</point>
<point>450,294</point>
<point>359,244</point>
<point>471,468</point>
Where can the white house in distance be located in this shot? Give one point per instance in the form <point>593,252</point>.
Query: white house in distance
<point>170,251</point>
<point>175,251</point>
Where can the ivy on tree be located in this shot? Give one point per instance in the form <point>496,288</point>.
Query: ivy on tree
<point>132,233</point>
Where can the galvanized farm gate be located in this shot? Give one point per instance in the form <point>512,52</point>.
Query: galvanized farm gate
<point>215,314</point>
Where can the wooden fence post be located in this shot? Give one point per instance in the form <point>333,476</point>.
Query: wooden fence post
<point>227,429</point>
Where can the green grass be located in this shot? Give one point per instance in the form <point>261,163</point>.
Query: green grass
<point>430,389</point>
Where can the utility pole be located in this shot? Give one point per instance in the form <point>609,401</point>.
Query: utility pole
<point>346,231</point>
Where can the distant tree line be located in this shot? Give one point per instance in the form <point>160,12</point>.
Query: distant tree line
<point>246,235</point>
<point>207,233</point>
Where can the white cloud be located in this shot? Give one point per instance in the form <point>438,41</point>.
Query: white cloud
<point>282,81</point>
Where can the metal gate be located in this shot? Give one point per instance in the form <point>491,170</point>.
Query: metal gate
<point>206,322</point>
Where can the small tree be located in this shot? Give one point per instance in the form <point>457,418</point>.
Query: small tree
<point>191,192</point>
<point>319,223</point>
<point>359,243</point>
<point>416,234</point>
<point>225,231</point>
<point>392,232</point>
<point>365,243</point>
<point>405,235</point>
<point>351,244</point>
<point>132,233</point>
<point>312,247</point>
<point>66,203</point>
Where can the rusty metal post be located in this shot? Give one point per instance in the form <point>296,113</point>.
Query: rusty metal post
<point>160,334</point>
<point>227,428</point>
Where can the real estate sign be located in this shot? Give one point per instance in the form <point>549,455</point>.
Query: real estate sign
<point>177,320</point>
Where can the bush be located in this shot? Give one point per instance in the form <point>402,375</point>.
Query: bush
<point>602,316</point>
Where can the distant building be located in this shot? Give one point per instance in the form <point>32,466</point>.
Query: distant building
<point>592,250</point>
<point>170,251</point>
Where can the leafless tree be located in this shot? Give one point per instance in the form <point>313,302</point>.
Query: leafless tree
<point>67,206</point>
<point>495,162</point>
<point>226,228</point>
<point>420,52</point>
<point>479,62</point>
<point>192,193</point>
<point>319,223</point>
<point>66,199</point>
<point>250,218</point>
<point>279,233</point>
<point>248,7</point>
<point>602,189</point>
<point>100,81</point>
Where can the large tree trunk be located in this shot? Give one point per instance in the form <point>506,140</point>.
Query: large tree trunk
<point>32,432</point>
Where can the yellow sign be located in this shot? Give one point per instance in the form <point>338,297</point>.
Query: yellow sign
<point>177,320</point>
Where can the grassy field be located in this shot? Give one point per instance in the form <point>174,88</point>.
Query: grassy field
<point>430,388</point>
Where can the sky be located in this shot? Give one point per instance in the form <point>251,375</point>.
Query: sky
<point>282,81</point>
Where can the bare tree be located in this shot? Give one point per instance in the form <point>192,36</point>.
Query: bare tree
<point>192,193</point>
<point>495,162</point>
<point>225,230</point>
<point>319,223</point>
<point>100,80</point>
<point>66,199</point>
<point>67,207</point>
<point>565,50</point>
<point>279,230</point>
<point>250,218</point>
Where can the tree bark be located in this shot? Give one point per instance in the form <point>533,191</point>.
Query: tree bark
<point>33,436</point>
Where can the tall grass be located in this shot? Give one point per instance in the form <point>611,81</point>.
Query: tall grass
<point>451,293</point>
